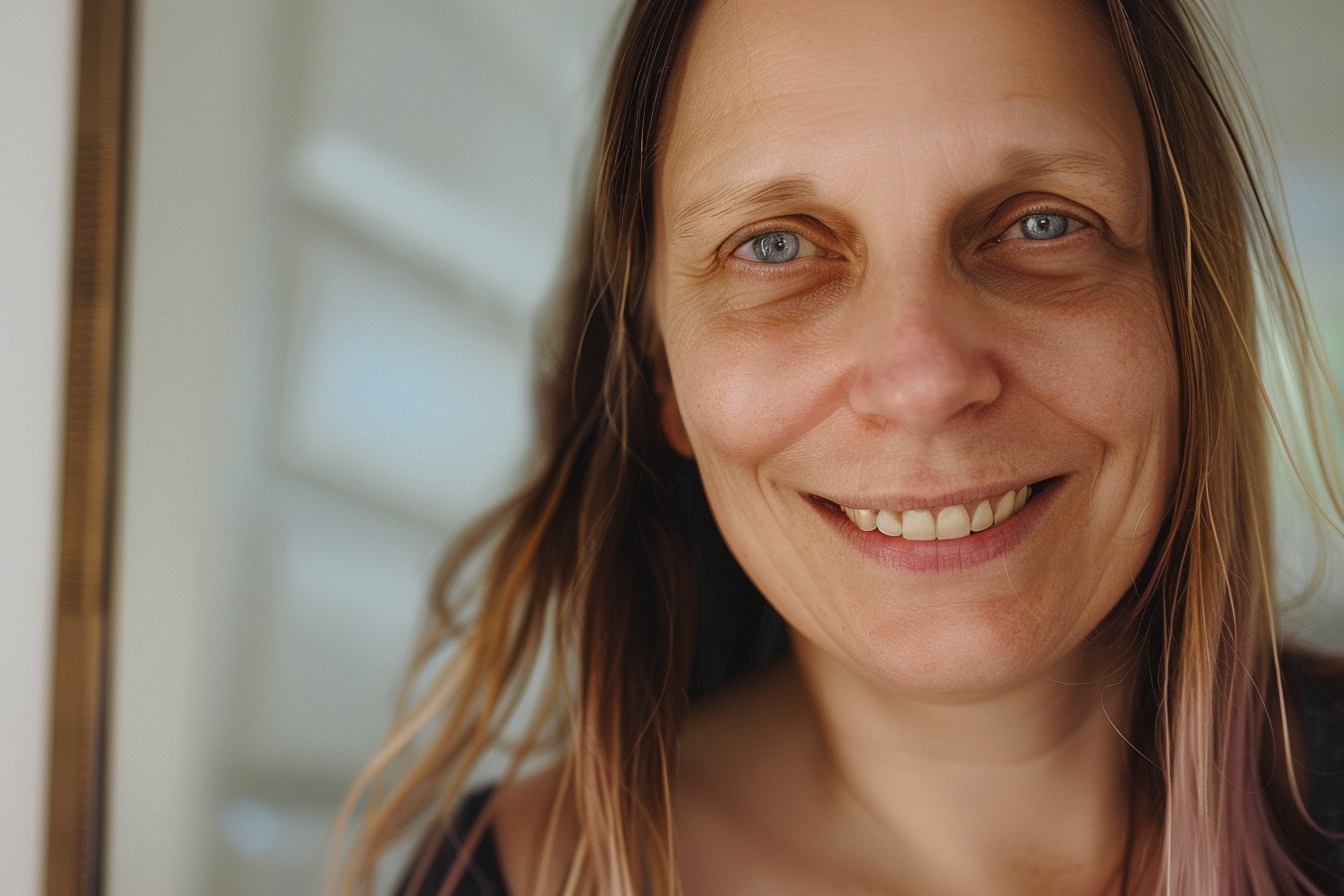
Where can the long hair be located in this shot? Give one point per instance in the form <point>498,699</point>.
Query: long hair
<point>578,595</point>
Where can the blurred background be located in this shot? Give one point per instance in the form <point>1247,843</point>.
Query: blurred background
<point>345,215</point>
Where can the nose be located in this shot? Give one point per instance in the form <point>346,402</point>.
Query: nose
<point>923,357</point>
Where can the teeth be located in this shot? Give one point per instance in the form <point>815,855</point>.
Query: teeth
<point>889,522</point>
<point>953,522</point>
<point>918,525</point>
<point>947,523</point>
<point>984,517</point>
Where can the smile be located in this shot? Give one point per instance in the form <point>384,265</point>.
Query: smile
<point>943,523</point>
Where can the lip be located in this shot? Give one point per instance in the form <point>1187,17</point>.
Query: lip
<point>932,502</point>
<point>955,555</point>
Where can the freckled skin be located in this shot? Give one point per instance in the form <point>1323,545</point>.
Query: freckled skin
<point>916,355</point>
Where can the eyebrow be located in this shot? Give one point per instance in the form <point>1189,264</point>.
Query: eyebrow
<point>781,191</point>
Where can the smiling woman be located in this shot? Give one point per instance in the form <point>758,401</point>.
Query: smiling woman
<point>934,353</point>
<point>948,313</point>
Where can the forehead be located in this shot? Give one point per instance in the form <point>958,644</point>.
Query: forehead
<point>842,92</point>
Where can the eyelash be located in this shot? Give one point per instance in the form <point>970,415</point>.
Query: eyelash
<point>1073,225</point>
<point>808,248</point>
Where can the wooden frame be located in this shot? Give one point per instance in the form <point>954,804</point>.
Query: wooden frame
<point>84,598</point>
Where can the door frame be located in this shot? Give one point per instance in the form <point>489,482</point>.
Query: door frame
<point>84,599</point>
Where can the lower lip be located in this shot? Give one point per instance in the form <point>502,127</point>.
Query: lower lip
<point>953,555</point>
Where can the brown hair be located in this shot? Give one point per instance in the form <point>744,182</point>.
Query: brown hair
<point>588,598</point>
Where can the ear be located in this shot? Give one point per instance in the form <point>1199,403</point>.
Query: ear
<point>669,415</point>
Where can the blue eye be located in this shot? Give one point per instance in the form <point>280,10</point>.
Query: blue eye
<point>776,247</point>
<point>1044,227</point>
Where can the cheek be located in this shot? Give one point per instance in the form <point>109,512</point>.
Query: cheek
<point>1111,379</point>
<point>747,393</point>
<point>1111,371</point>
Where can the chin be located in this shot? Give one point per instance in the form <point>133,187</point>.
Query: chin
<point>962,654</point>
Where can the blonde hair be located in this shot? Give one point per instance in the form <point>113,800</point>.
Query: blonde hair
<point>588,589</point>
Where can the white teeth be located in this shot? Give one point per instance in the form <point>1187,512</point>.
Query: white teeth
<point>984,517</point>
<point>918,525</point>
<point>889,523</point>
<point>953,522</point>
<point>948,523</point>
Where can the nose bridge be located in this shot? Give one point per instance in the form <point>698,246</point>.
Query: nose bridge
<point>922,355</point>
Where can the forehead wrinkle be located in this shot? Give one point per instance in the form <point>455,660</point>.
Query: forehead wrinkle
<point>1024,163</point>
<point>717,204</point>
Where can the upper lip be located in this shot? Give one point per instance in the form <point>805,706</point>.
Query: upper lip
<point>911,501</point>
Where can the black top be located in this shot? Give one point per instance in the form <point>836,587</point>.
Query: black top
<point>483,876</point>
<point>1320,699</point>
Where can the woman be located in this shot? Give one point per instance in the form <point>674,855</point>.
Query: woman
<point>948,310</point>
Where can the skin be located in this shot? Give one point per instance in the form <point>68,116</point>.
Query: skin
<point>945,724</point>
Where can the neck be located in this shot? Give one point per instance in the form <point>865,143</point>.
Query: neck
<point>1024,790</point>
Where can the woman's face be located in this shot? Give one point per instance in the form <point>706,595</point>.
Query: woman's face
<point>904,264</point>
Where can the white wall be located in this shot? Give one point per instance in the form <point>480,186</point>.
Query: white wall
<point>200,75</point>
<point>324,373</point>
<point>36,77</point>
